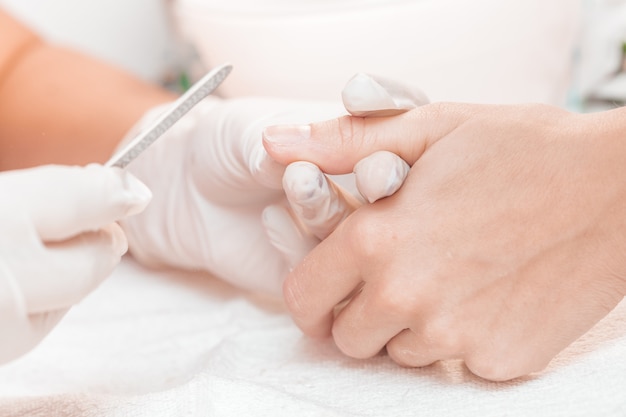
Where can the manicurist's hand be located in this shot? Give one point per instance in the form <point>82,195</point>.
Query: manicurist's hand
<point>58,242</point>
<point>505,244</point>
<point>223,206</point>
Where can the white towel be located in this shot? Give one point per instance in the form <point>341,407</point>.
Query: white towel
<point>178,344</point>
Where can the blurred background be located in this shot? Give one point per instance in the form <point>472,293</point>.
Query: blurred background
<point>134,34</point>
<point>152,39</point>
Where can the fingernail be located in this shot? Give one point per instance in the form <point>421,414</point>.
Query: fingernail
<point>287,134</point>
<point>138,195</point>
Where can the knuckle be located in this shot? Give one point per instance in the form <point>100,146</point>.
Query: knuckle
<point>368,235</point>
<point>441,334</point>
<point>351,132</point>
<point>396,301</point>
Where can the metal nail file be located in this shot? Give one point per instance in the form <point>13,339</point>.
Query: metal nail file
<point>205,86</point>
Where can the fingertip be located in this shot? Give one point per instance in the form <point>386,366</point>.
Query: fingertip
<point>120,189</point>
<point>321,143</point>
<point>282,142</point>
<point>317,202</point>
<point>306,190</point>
<point>137,194</point>
<point>367,95</point>
<point>380,175</point>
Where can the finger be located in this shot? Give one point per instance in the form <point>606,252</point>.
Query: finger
<point>368,95</point>
<point>430,340</point>
<point>287,235</point>
<point>407,349</point>
<point>364,326</point>
<point>264,112</point>
<point>338,144</point>
<point>64,201</point>
<point>321,281</point>
<point>380,175</point>
<point>74,268</point>
<point>317,202</point>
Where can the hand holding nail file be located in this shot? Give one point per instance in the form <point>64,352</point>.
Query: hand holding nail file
<point>212,181</point>
<point>58,243</point>
<point>178,109</point>
<point>70,233</point>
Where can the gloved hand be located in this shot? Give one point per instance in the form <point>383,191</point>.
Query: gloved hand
<point>315,203</point>
<point>212,180</point>
<point>58,241</point>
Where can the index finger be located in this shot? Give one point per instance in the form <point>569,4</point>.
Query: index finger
<point>336,145</point>
<point>326,276</point>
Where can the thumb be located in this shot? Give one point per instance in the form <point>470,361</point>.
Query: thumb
<point>338,144</point>
<point>63,201</point>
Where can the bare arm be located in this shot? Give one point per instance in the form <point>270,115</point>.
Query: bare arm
<point>60,106</point>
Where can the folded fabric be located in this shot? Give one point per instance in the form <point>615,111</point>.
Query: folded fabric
<point>169,343</point>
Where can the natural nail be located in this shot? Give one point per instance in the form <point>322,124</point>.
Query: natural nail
<point>287,134</point>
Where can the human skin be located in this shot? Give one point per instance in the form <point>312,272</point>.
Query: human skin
<point>60,106</point>
<point>505,244</point>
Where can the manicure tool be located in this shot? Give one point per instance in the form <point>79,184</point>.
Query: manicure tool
<point>205,86</point>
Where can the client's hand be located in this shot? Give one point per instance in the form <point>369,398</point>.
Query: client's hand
<point>506,243</point>
<point>219,203</point>
<point>58,241</point>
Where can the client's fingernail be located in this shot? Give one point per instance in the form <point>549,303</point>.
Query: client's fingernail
<point>138,195</point>
<point>287,134</point>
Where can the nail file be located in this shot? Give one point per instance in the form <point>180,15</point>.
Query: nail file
<point>205,86</point>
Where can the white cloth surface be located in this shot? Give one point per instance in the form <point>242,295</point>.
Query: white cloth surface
<point>152,343</point>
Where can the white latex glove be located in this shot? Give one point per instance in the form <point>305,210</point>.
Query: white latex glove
<point>212,180</point>
<point>382,173</point>
<point>316,205</point>
<point>58,241</point>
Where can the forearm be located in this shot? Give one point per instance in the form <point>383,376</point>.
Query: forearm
<point>60,106</point>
